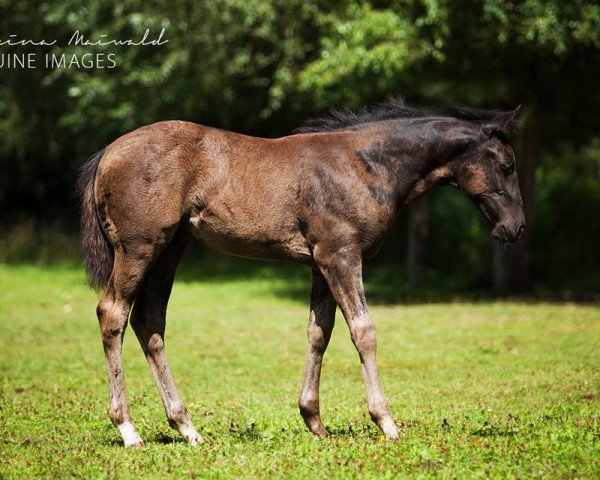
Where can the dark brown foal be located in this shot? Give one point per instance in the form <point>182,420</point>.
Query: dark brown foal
<point>325,198</point>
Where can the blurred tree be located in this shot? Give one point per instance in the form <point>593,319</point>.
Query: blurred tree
<point>418,231</point>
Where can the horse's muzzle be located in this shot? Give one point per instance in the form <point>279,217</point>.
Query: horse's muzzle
<point>507,232</point>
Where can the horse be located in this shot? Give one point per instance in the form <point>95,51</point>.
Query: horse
<point>323,196</point>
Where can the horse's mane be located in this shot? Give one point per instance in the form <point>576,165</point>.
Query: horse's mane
<point>394,108</point>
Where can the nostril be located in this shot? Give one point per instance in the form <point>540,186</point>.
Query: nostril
<point>521,230</point>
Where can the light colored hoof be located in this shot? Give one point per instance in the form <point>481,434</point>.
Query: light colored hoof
<point>133,441</point>
<point>130,437</point>
<point>195,440</point>
<point>192,437</point>
<point>390,430</point>
<point>135,444</point>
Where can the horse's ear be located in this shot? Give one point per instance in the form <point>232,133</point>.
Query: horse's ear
<point>505,122</point>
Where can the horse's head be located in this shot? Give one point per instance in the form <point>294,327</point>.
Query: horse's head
<point>488,175</point>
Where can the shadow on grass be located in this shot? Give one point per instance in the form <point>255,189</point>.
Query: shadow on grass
<point>384,284</point>
<point>160,439</point>
<point>165,439</point>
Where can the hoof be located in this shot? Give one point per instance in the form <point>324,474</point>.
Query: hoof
<point>130,437</point>
<point>192,437</point>
<point>134,443</point>
<point>194,440</point>
<point>320,435</point>
<point>389,428</point>
<point>315,426</point>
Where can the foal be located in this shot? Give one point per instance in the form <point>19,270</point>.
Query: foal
<point>324,197</point>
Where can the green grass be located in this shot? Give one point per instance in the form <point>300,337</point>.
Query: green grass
<point>500,389</point>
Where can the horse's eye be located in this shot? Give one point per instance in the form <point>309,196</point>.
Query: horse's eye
<point>506,168</point>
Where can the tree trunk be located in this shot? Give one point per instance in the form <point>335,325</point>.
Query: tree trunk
<point>392,250</point>
<point>511,263</point>
<point>418,231</point>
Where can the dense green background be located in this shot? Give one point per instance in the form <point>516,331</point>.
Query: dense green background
<point>261,67</point>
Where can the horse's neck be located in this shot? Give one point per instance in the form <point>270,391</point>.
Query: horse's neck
<point>410,165</point>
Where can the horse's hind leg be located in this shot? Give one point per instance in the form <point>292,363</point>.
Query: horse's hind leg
<point>148,323</point>
<point>320,325</point>
<point>113,311</point>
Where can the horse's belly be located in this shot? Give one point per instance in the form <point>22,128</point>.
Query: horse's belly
<point>251,239</point>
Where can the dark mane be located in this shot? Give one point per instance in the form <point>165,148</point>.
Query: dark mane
<point>394,108</point>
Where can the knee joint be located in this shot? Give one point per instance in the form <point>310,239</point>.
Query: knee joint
<point>113,321</point>
<point>318,342</point>
<point>103,309</point>
<point>155,345</point>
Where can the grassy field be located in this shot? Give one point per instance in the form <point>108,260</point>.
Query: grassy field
<point>481,389</point>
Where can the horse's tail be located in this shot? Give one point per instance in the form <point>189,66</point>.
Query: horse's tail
<point>98,254</point>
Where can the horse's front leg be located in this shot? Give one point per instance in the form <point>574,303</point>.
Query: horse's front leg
<point>342,268</point>
<point>320,325</point>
